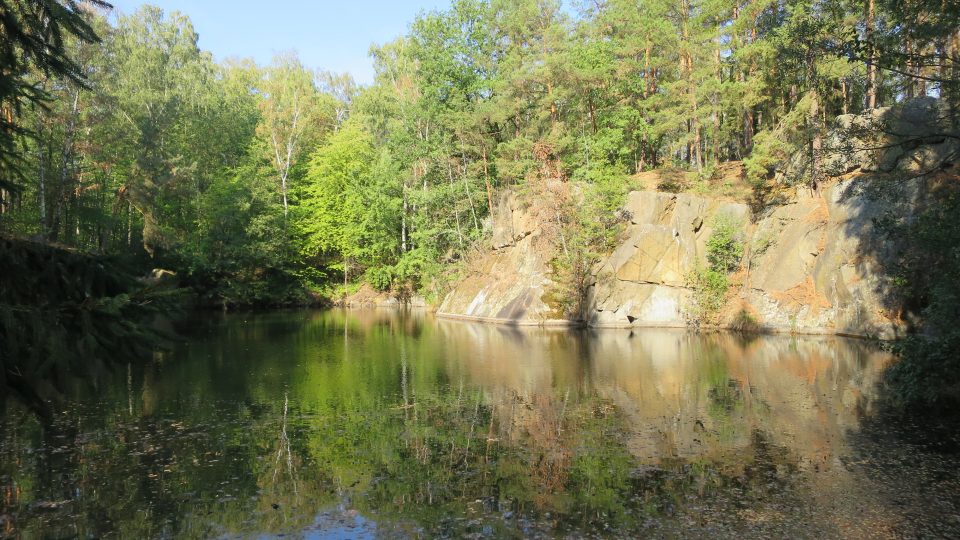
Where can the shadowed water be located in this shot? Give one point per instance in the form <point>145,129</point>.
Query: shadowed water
<point>339,424</point>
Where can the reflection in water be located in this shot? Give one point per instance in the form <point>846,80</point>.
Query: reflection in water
<point>399,425</point>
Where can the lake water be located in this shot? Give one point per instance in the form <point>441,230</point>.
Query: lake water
<point>332,424</point>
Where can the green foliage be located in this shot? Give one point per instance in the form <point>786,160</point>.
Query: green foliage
<point>926,376</point>
<point>775,147</point>
<point>725,245</point>
<point>593,223</point>
<point>349,206</point>
<point>926,284</point>
<point>66,315</point>
<point>35,39</point>
<point>711,283</point>
<point>710,289</point>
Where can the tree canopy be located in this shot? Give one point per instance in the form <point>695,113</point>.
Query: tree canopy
<point>269,184</point>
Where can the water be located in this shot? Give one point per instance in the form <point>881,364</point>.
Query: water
<point>383,424</point>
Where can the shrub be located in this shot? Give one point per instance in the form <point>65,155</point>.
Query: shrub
<point>927,374</point>
<point>711,282</point>
<point>725,246</point>
<point>709,292</point>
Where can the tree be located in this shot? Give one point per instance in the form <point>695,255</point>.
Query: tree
<point>291,116</point>
<point>34,37</point>
<point>350,204</point>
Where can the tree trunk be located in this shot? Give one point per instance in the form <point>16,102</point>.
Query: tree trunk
<point>953,90</point>
<point>486,181</point>
<point>908,44</point>
<point>871,59</point>
<point>816,144</point>
<point>845,91</point>
<point>42,188</point>
<point>816,115</point>
<point>593,114</point>
<point>748,119</point>
<point>648,82</point>
<point>716,105</point>
<point>456,213</point>
<point>403,222</point>
<point>687,61</point>
<point>66,153</point>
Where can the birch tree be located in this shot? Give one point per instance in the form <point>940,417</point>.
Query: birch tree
<point>289,115</point>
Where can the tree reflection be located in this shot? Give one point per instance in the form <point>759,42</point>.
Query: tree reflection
<point>419,427</point>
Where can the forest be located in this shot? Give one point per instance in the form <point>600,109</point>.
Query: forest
<point>280,184</point>
<point>126,144</point>
<point>780,354</point>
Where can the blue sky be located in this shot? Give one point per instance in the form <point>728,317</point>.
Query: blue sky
<point>328,34</point>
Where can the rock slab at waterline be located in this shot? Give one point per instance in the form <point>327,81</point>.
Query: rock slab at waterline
<point>811,266</point>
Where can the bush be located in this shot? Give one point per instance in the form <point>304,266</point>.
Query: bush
<point>710,283</point>
<point>709,292</point>
<point>725,246</point>
<point>380,277</point>
<point>926,376</point>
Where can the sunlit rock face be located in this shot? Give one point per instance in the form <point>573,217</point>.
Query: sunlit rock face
<point>815,263</point>
<point>508,284</point>
<point>644,281</point>
<point>822,266</point>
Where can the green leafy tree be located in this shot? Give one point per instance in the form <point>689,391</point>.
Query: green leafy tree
<point>349,205</point>
<point>34,39</point>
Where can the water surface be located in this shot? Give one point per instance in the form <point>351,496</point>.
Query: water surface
<point>332,424</point>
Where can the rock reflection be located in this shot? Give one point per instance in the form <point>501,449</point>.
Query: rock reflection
<point>682,395</point>
<point>401,425</point>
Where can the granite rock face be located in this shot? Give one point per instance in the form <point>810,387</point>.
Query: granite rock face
<point>644,281</point>
<point>910,138</point>
<point>818,265</point>
<point>508,284</point>
<point>814,264</point>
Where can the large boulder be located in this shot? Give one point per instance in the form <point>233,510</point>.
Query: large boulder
<point>909,138</point>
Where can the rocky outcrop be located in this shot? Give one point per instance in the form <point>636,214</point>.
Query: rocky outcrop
<point>508,284</point>
<point>644,281</point>
<point>916,137</point>
<point>367,297</point>
<point>816,263</point>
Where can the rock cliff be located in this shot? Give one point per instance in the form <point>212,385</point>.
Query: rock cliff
<point>644,281</point>
<point>814,263</point>
<point>509,283</point>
